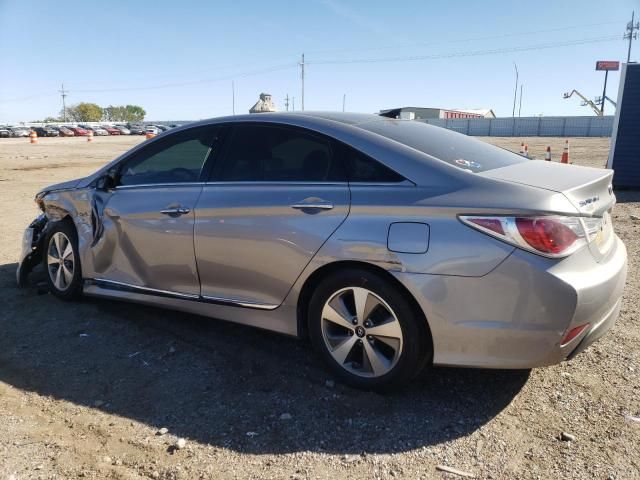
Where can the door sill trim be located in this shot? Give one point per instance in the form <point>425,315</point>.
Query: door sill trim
<point>127,287</point>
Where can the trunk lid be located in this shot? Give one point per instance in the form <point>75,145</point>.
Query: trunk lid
<point>588,189</point>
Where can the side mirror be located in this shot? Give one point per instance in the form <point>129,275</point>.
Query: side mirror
<point>108,181</point>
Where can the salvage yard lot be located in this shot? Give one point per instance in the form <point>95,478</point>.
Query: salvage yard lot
<point>84,387</point>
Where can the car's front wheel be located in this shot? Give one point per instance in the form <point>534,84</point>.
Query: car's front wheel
<point>62,261</point>
<point>366,330</point>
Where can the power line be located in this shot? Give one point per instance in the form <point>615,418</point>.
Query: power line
<point>195,82</point>
<point>471,53</point>
<point>274,68</point>
<point>469,39</point>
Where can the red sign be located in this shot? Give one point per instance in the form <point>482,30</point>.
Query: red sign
<point>607,65</point>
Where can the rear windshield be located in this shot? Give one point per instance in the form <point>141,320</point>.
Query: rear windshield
<point>454,148</point>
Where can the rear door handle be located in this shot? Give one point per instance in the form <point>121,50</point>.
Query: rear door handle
<point>314,205</point>
<point>175,211</point>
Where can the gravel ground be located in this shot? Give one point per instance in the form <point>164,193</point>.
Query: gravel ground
<point>86,387</point>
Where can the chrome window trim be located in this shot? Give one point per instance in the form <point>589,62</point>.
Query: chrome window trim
<point>170,184</point>
<point>113,284</point>
<point>404,183</point>
<point>276,183</point>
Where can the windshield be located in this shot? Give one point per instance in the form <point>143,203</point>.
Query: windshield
<point>454,148</point>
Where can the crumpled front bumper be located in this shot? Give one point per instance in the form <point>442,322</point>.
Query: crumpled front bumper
<point>32,246</point>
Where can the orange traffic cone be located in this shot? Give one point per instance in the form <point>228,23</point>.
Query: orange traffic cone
<point>547,155</point>
<point>150,135</point>
<point>90,136</point>
<point>522,148</point>
<point>565,153</point>
<point>526,151</point>
<point>33,137</point>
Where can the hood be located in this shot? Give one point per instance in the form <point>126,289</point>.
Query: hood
<point>68,185</point>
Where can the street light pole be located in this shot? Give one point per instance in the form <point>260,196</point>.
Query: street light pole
<point>515,91</point>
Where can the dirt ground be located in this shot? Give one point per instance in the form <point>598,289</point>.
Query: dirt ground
<point>86,386</point>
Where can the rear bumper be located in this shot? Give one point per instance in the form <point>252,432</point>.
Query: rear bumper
<point>517,315</point>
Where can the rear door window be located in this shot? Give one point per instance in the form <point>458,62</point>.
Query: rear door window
<point>274,153</point>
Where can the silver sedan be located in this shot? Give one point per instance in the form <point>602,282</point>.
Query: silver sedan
<point>391,244</point>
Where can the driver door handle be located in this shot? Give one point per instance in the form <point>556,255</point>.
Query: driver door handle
<point>318,205</point>
<point>175,211</point>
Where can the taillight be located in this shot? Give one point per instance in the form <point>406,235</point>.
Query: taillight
<point>546,235</point>
<point>551,236</point>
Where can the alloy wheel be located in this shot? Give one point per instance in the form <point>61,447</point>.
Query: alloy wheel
<point>361,332</point>
<point>60,261</point>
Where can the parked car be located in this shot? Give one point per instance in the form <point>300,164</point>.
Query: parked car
<point>97,131</point>
<point>45,131</point>
<point>162,128</point>
<point>5,132</point>
<point>391,244</point>
<point>110,130</point>
<point>79,131</point>
<point>123,130</point>
<point>136,130</point>
<point>19,131</point>
<point>65,132</point>
<point>153,130</point>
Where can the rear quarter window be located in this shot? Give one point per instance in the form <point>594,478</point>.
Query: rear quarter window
<point>454,148</point>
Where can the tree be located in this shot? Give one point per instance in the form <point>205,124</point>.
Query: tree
<point>84,112</point>
<point>128,113</point>
<point>134,113</point>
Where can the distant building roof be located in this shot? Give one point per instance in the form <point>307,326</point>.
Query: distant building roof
<point>437,112</point>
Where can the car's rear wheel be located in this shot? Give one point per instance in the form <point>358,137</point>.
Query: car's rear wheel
<point>366,330</point>
<point>62,262</point>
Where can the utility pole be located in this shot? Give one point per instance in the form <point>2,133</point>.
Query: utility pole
<point>302,78</point>
<point>344,100</point>
<point>293,104</point>
<point>286,102</point>
<point>515,92</point>
<point>233,98</point>
<point>64,93</point>
<point>632,34</point>
<point>520,107</point>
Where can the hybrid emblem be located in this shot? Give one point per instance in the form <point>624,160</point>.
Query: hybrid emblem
<point>589,201</point>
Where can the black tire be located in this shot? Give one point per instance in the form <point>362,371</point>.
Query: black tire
<point>72,289</point>
<point>416,348</point>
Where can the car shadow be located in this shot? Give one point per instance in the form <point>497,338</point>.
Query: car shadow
<point>224,384</point>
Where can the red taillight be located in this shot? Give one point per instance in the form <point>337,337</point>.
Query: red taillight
<point>573,333</point>
<point>546,234</point>
<point>493,224</point>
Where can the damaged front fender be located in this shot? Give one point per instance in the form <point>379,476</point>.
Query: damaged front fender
<point>32,248</point>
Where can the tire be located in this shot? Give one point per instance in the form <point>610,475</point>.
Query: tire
<point>64,278</point>
<point>356,352</point>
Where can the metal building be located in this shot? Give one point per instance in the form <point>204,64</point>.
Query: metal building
<point>424,113</point>
<point>624,156</point>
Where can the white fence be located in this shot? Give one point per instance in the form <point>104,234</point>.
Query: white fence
<point>528,126</point>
